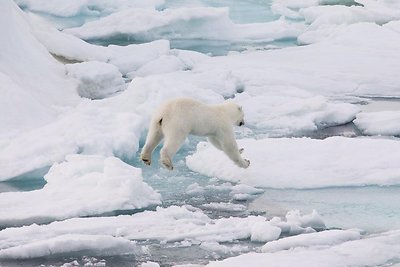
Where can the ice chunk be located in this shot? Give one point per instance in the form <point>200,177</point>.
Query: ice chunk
<point>216,247</point>
<point>178,224</point>
<point>264,232</point>
<point>86,7</point>
<point>373,250</point>
<point>97,79</point>
<point>80,186</point>
<point>149,264</point>
<point>335,161</point>
<point>183,23</point>
<point>312,220</point>
<point>194,189</point>
<point>246,189</point>
<point>91,128</point>
<point>224,206</point>
<point>291,115</point>
<point>379,123</point>
<point>71,243</point>
<point>126,58</point>
<point>324,238</point>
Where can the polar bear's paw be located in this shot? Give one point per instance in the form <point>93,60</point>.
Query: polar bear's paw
<point>146,159</point>
<point>246,163</point>
<point>166,162</point>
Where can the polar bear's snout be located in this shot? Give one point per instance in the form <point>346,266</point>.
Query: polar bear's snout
<point>241,123</point>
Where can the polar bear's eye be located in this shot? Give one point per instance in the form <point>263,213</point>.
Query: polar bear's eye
<point>240,108</point>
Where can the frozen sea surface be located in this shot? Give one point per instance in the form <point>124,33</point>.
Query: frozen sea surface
<point>76,194</point>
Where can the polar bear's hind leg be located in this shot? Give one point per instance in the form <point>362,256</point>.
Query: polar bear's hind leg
<point>172,143</point>
<point>153,138</point>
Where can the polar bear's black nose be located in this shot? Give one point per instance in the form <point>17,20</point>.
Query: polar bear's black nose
<point>241,123</point>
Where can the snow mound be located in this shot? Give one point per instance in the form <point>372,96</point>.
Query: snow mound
<point>281,163</point>
<point>80,186</point>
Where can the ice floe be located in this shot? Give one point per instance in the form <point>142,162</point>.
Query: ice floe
<point>85,7</point>
<point>172,224</point>
<point>324,238</point>
<point>304,162</point>
<point>373,250</point>
<point>86,129</point>
<point>183,23</point>
<point>71,243</point>
<point>80,186</point>
<point>379,123</point>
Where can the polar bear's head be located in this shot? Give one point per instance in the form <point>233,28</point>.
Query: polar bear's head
<point>235,113</point>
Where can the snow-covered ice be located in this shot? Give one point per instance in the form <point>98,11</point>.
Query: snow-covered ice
<point>23,64</point>
<point>379,123</point>
<point>170,224</point>
<point>80,186</point>
<point>70,243</point>
<point>87,7</point>
<point>87,129</point>
<point>146,24</point>
<point>305,162</point>
<point>298,67</point>
<point>324,238</point>
<point>383,248</point>
<point>96,79</point>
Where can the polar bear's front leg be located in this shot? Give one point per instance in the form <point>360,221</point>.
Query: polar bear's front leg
<point>229,146</point>
<point>215,142</point>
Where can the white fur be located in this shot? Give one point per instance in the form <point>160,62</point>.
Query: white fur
<point>178,118</point>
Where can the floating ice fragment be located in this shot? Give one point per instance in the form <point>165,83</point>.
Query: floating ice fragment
<point>264,232</point>
<point>96,79</point>
<point>149,264</point>
<point>79,244</point>
<point>194,189</point>
<point>379,123</point>
<point>222,206</point>
<point>324,238</point>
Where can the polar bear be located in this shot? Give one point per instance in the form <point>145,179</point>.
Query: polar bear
<point>178,118</point>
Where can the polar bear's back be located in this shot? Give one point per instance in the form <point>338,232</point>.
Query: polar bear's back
<point>189,116</point>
